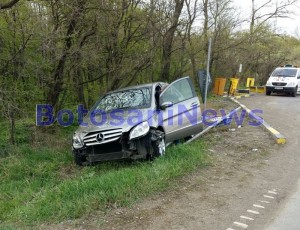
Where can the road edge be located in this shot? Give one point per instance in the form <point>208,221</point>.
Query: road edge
<point>279,138</point>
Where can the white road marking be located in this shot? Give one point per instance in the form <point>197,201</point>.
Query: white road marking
<point>263,201</point>
<point>272,192</point>
<point>266,196</point>
<point>240,224</point>
<point>258,206</point>
<point>254,212</point>
<point>246,218</point>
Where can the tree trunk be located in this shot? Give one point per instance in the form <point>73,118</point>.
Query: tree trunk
<point>8,5</point>
<point>168,41</point>
<point>252,22</point>
<point>205,23</point>
<point>55,87</point>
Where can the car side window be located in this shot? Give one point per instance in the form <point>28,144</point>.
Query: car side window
<point>177,92</point>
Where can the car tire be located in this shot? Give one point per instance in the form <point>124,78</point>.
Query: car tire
<point>79,160</point>
<point>158,144</point>
<point>294,93</point>
<point>268,92</point>
<point>159,147</point>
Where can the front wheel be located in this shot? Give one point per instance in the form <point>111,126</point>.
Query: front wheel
<point>159,147</point>
<point>268,92</point>
<point>294,93</point>
<point>79,160</point>
<point>158,144</point>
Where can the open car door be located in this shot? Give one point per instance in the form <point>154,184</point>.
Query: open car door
<point>180,109</point>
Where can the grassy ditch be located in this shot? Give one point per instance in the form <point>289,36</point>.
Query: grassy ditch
<point>40,183</point>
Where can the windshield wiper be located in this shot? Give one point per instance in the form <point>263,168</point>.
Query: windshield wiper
<point>126,107</point>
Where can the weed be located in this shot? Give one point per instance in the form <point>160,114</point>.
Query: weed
<point>40,183</point>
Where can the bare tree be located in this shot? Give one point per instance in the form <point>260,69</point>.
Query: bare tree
<point>56,83</point>
<point>265,10</point>
<point>206,18</point>
<point>168,39</point>
<point>192,10</point>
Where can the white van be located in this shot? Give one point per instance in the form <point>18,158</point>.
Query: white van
<point>284,80</point>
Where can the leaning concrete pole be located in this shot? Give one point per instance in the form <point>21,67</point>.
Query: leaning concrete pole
<point>207,72</point>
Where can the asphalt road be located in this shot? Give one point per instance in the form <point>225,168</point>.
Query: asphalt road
<point>243,189</point>
<point>288,218</point>
<point>283,173</point>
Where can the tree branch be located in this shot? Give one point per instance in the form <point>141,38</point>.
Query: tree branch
<point>8,5</point>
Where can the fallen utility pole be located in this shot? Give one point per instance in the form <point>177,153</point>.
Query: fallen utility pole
<point>213,125</point>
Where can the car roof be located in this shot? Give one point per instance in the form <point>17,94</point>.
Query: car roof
<point>148,85</point>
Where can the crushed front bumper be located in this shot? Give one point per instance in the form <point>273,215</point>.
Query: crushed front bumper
<point>123,148</point>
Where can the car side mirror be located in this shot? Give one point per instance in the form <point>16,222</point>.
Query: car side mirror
<point>166,104</point>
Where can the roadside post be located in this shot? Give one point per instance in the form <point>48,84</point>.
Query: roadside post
<point>207,71</point>
<point>204,78</point>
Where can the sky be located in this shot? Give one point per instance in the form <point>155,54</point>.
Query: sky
<point>289,26</point>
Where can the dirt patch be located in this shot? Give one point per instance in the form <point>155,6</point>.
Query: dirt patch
<point>238,154</point>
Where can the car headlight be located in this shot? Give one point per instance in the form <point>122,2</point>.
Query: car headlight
<point>269,83</point>
<point>77,142</point>
<point>140,130</point>
<point>291,84</point>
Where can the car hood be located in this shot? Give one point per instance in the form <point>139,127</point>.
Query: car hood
<point>280,78</point>
<point>125,119</point>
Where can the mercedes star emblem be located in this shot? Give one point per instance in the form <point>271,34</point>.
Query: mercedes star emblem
<point>100,137</point>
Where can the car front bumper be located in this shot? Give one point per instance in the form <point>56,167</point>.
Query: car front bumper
<point>280,89</point>
<point>122,148</point>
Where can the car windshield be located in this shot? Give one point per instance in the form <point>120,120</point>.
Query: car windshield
<point>284,73</point>
<point>132,98</point>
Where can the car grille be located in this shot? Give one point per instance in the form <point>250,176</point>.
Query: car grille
<point>111,147</point>
<point>102,137</point>
<point>279,84</point>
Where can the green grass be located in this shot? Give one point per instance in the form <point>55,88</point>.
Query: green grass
<point>42,184</point>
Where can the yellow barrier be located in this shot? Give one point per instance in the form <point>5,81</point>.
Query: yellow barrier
<point>261,89</point>
<point>250,82</point>
<point>257,89</point>
<point>219,86</point>
<point>253,89</point>
<point>233,85</point>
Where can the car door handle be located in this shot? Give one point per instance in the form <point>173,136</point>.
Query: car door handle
<point>194,104</point>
